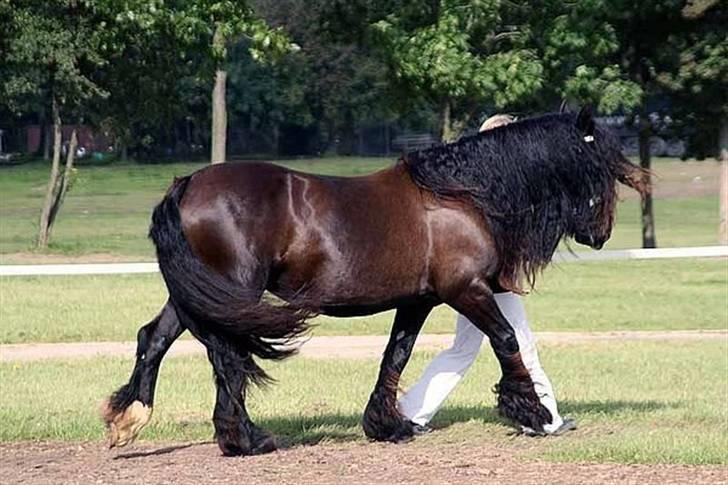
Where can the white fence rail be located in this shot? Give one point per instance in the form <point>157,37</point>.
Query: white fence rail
<point>565,257</point>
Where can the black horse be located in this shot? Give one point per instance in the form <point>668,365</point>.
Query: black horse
<point>452,224</point>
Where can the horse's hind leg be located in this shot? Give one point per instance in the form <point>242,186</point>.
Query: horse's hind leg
<point>235,432</point>
<point>382,420</point>
<point>129,409</point>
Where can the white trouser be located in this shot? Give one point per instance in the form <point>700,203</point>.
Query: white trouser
<point>425,398</point>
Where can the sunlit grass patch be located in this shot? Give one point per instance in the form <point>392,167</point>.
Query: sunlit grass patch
<point>635,402</point>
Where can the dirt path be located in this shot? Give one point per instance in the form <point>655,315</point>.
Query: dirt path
<point>328,463</point>
<point>352,347</point>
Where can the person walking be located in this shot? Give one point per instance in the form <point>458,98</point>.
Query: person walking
<point>422,401</point>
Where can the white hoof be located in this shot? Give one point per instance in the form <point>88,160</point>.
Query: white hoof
<point>125,426</point>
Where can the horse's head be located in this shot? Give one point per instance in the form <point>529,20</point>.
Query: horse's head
<point>594,202</point>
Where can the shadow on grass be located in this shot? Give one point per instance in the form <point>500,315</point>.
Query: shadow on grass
<point>310,430</point>
<point>291,431</point>
<point>614,407</point>
<point>455,414</point>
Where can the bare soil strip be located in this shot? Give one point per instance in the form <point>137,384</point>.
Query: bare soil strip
<point>324,463</point>
<point>347,347</point>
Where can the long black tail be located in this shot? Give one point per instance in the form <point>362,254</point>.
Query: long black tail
<point>217,303</point>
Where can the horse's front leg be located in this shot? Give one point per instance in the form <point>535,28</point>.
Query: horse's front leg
<point>517,398</point>
<point>382,420</point>
<point>129,409</point>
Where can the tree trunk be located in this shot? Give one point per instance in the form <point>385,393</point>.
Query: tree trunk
<point>53,186</point>
<point>219,112</point>
<point>648,218</point>
<point>447,133</point>
<point>723,141</point>
<point>65,179</point>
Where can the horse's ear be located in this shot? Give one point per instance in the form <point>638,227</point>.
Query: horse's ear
<point>564,108</point>
<point>585,120</point>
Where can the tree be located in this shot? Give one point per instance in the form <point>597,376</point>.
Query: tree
<point>671,51</point>
<point>152,88</point>
<point>699,86</point>
<point>332,85</point>
<point>209,26</point>
<point>465,55</point>
<point>52,48</point>
<point>449,54</point>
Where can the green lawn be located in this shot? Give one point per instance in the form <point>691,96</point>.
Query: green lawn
<point>678,222</point>
<point>636,402</point>
<point>108,208</point>
<point>597,296</point>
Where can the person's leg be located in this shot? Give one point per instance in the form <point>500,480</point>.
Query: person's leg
<point>442,375</point>
<point>511,305</point>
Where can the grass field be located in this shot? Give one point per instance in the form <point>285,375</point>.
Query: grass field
<point>635,402</point>
<point>108,208</point>
<point>596,296</point>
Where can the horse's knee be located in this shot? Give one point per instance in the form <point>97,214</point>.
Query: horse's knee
<point>144,335</point>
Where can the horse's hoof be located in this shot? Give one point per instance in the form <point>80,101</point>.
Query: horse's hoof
<point>264,445</point>
<point>402,439</point>
<point>125,425</point>
<point>518,403</point>
<point>232,442</point>
<point>383,422</point>
<point>403,433</point>
<point>231,449</point>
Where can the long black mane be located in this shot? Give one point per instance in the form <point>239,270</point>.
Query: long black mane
<point>532,180</point>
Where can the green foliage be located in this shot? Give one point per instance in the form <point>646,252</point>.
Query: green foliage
<point>142,70</point>
<point>450,53</point>
<point>676,51</point>
<point>52,49</point>
<point>327,86</point>
<point>698,83</point>
<point>490,55</point>
<point>611,91</point>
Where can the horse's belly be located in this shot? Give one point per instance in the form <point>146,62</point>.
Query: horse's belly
<point>350,290</point>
